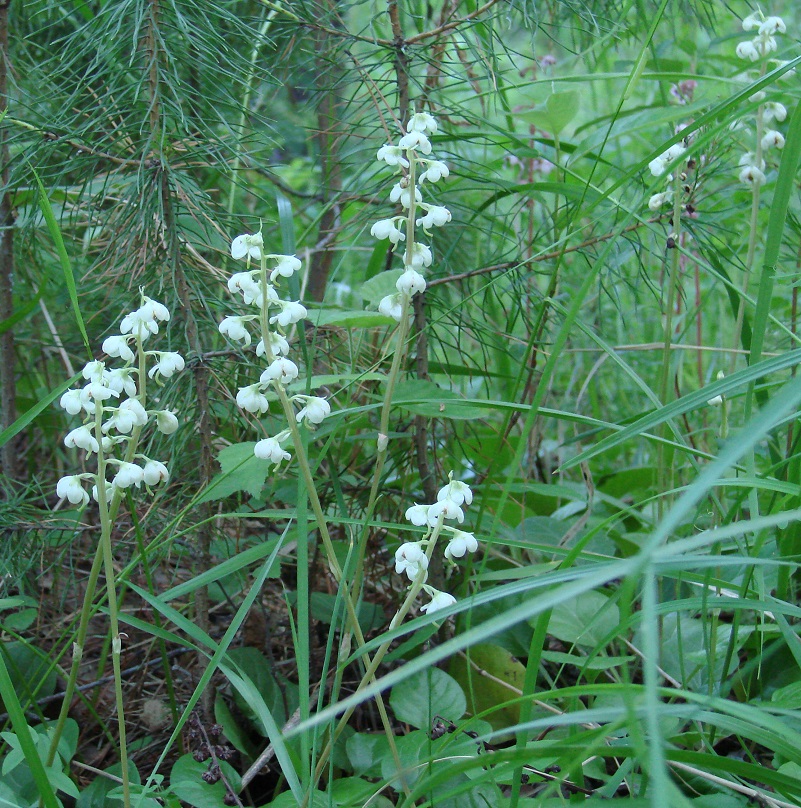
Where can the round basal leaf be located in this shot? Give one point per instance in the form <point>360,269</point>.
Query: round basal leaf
<point>380,286</point>
<point>186,780</point>
<point>585,620</point>
<point>427,694</point>
<point>426,398</point>
<point>365,753</point>
<point>349,318</point>
<point>556,113</point>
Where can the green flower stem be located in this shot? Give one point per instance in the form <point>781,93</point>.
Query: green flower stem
<point>369,674</point>
<point>111,594</point>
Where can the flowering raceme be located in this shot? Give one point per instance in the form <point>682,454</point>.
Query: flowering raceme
<point>258,288</point>
<point>413,558</point>
<point>410,156</point>
<point>112,421</point>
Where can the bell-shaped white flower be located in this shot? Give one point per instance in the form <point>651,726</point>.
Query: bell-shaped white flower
<point>247,245</point>
<point>386,228</point>
<point>410,283</point>
<point>271,449</point>
<point>141,323</point>
<point>129,414</point>
<point>118,346</point>
<point>234,329</point>
<point>278,343</point>
<point>416,141</point>
<point>98,391</point>
<point>109,489</point>
<point>747,50</point>
<point>286,267</point>
<point>245,284</point>
<point>658,200</point>
<point>403,194</point>
<point>752,21</point>
<point>391,306</point>
<point>448,509</point>
<point>82,438</point>
<point>439,600</point>
<point>166,422</point>
<point>153,310</point>
<point>751,175</point>
<point>94,371</point>
<point>128,474</point>
<point>420,257</point>
<point>774,111</point>
<point>765,45</point>
<point>168,364</point>
<point>70,488</point>
<point>251,398</point>
<point>422,122</point>
<point>121,380</point>
<point>456,491</point>
<point>290,313</point>
<point>460,544</point>
<point>411,559</point>
<point>436,216</point>
<point>418,514</point>
<point>392,156</point>
<point>315,411</point>
<point>71,402</point>
<point>772,140</point>
<point>282,370</point>
<point>154,473</point>
<point>435,171</point>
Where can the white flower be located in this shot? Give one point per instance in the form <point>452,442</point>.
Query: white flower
<point>752,21</point>
<point>418,514</point>
<point>386,228</point>
<point>118,346</point>
<point>141,323</point>
<point>153,310</point>
<point>416,141</point>
<point>83,438</point>
<point>287,266</point>
<point>270,449</point>
<point>774,111</point>
<point>757,98</point>
<point>410,283</point>
<point>234,328</point>
<point>251,398</point>
<point>282,370</point>
<point>154,473</point>
<point>657,200</point>
<point>460,544</point>
<point>439,600</point>
<point>168,363</point>
<point>109,488</point>
<point>747,50</point>
<point>245,284</point>
<point>773,139</point>
<point>449,510</point>
<point>121,380</point>
<point>247,245</point>
<point>752,176</point>
<point>128,474</point>
<point>657,166</point>
<point>422,122</point>
<point>457,492</point>
<point>714,402</point>
<point>166,422</point>
<point>436,216</point>
<point>391,306</point>
<point>278,344</point>
<point>420,257</point>
<point>290,313</point>
<point>315,411</point>
<point>404,195</point>
<point>71,402</point>
<point>94,371</point>
<point>435,171</point>
<point>765,45</point>
<point>392,156</point>
<point>411,559</point>
<point>70,488</point>
<point>749,159</point>
<point>772,25</point>
<point>129,414</point>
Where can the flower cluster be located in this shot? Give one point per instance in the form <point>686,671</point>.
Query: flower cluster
<point>673,159</point>
<point>410,156</point>
<point>258,288</point>
<point>752,163</point>
<point>112,403</point>
<point>413,557</point>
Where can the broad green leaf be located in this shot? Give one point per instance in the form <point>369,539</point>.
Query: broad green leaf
<point>426,694</point>
<point>187,782</point>
<point>586,620</point>
<point>556,113</point>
